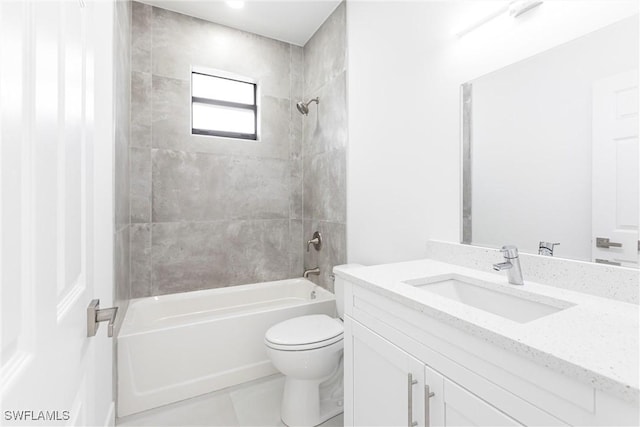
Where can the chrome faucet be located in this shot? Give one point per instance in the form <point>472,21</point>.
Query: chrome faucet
<point>315,271</point>
<point>511,264</point>
<point>546,248</point>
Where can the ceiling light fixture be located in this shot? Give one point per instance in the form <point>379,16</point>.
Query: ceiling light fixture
<point>518,7</point>
<point>235,4</point>
<point>515,8</point>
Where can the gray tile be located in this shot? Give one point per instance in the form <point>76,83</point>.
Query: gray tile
<point>296,126</point>
<point>295,188</point>
<point>268,62</point>
<point>140,185</point>
<point>332,253</point>
<point>275,123</point>
<point>121,181</point>
<point>141,37</point>
<point>122,71</point>
<point>122,75</point>
<point>296,246</point>
<point>190,256</point>
<point>295,162</point>
<point>205,187</point>
<point>141,96</point>
<point>325,52</point>
<point>171,111</point>
<point>121,265</point>
<point>325,128</point>
<point>180,42</point>
<point>140,239</point>
<point>325,186</point>
<point>174,43</point>
<point>297,73</point>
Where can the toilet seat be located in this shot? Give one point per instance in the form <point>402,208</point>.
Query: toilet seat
<point>305,333</point>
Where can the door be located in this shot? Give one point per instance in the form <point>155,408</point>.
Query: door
<point>615,214</point>
<point>388,385</point>
<point>55,211</point>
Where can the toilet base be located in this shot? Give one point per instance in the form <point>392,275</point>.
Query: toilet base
<point>310,403</point>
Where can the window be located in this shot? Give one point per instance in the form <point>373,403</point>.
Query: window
<point>223,106</point>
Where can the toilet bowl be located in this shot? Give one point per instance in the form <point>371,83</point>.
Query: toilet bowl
<point>308,351</point>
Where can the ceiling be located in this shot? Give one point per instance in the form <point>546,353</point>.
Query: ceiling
<point>293,21</point>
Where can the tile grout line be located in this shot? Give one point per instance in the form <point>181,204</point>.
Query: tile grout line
<point>151,290</point>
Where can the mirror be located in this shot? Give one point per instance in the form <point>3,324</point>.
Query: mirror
<point>550,151</point>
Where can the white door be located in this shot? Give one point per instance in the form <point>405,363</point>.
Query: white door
<point>615,169</point>
<point>55,211</point>
<point>388,384</point>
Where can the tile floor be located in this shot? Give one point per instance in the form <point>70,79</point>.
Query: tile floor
<point>256,403</point>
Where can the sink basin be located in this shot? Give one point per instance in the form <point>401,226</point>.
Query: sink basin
<point>517,305</point>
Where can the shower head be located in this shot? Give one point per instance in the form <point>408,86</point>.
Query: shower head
<point>303,107</point>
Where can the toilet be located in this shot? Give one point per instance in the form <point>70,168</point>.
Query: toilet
<point>308,351</point>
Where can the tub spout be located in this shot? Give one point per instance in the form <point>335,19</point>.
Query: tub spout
<point>315,271</point>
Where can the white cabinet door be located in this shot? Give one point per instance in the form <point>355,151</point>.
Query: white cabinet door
<point>389,388</point>
<point>434,404</point>
<point>388,384</point>
<point>461,408</point>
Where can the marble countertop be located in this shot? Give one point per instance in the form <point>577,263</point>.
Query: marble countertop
<point>594,340</point>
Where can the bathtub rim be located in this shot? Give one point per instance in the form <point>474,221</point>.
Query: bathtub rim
<point>140,303</point>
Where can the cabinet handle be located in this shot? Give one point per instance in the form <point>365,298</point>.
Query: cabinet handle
<point>410,383</point>
<point>428,394</point>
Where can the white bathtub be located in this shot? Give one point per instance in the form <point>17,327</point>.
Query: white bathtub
<point>174,347</point>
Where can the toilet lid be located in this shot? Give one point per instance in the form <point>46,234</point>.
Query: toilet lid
<point>315,328</point>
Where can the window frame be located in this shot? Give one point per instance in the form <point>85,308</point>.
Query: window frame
<point>212,101</point>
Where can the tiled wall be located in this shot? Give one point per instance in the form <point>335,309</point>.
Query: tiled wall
<point>122,100</point>
<point>122,71</point>
<point>324,146</point>
<point>210,212</point>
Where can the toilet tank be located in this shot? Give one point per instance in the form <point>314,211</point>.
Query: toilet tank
<point>338,287</point>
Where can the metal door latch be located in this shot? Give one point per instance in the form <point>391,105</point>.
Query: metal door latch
<point>604,243</point>
<point>95,315</point>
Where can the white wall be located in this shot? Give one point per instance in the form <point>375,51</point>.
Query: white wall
<point>405,70</point>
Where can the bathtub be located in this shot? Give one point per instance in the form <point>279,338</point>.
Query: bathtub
<point>174,347</point>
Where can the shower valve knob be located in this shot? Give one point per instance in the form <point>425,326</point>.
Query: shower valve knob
<point>316,241</point>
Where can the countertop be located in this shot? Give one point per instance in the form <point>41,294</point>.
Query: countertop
<point>594,341</point>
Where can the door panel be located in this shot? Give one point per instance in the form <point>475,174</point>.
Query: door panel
<point>55,62</point>
<point>616,161</point>
<point>381,382</point>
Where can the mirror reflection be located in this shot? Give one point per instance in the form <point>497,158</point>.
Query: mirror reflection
<point>550,147</point>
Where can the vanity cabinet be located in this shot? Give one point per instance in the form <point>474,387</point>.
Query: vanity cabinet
<point>394,352</point>
<point>388,382</point>
<point>392,388</point>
